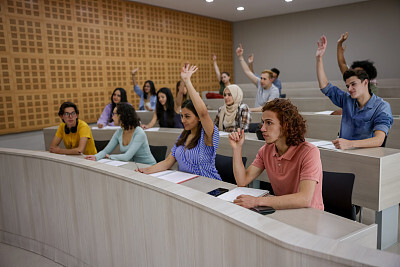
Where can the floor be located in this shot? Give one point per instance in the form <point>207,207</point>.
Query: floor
<point>11,256</point>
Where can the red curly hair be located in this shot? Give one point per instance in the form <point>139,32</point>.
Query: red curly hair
<point>292,123</point>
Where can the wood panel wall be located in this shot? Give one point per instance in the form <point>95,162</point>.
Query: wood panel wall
<point>53,51</point>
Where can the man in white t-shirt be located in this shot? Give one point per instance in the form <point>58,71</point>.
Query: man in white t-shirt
<point>266,90</point>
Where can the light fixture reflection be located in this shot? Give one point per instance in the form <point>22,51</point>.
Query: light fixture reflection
<point>240,8</point>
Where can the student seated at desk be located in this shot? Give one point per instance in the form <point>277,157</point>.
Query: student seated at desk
<point>366,118</point>
<point>167,114</point>
<point>75,134</point>
<point>119,95</point>
<point>196,147</point>
<point>293,165</point>
<point>266,90</point>
<point>233,114</point>
<point>132,139</point>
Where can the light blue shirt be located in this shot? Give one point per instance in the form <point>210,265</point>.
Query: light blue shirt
<point>153,98</point>
<point>359,124</point>
<point>137,150</point>
<point>265,95</point>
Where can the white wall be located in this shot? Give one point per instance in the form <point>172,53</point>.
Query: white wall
<point>288,42</point>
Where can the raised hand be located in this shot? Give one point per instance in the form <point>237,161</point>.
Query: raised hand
<point>322,43</point>
<point>187,71</point>
<point>134,71</point>
<point>239,51</point>
<point>236,139</point>
<point>250,59</point>
<point>214,57</point>
<point>343,37</point>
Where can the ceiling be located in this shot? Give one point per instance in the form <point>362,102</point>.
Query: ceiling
<point>226,9</point>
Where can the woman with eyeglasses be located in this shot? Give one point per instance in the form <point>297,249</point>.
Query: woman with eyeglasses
<point>106,118</point>
<point>132,140</point>
<point>75,133</point>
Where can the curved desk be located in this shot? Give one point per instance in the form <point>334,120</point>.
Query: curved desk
<point>79,212</point>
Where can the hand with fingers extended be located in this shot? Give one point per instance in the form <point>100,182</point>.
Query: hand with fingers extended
<point>322,43</point>
<point>134,71</point>
<point>343,38</point>
<point>187,71</point>
<point>214,57</point>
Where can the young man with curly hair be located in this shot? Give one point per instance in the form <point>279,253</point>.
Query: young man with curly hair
<point>293,165</point>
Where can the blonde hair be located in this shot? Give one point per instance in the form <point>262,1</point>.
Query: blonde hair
<point>270,73</point>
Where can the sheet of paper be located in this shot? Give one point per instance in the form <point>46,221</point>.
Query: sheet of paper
<point>106,127</point>
<point>113,162</point>
<point>104,160</point>
<point>155,129</point>
<point>223,133</point>
<point>234,193</point>
<point>326,112</point>
<point>321,143</point>
<point>175,176</point>
<point>329,146</point>
<point>157,174</point>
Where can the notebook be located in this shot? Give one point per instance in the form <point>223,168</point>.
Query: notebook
<point>234,193</point>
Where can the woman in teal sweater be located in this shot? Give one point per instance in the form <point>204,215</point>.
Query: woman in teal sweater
<point>132,139</point>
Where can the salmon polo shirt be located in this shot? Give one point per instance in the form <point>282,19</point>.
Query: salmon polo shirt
<point>301,162</point>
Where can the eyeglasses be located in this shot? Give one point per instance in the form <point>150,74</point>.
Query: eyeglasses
<point>72,114</point>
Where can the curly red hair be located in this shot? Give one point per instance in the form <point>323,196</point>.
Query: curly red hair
<point>292,123</point>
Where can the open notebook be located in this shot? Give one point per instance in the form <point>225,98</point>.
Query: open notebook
<point>234,193</point>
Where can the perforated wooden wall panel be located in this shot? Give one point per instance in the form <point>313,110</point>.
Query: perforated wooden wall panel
<point>53,51</point>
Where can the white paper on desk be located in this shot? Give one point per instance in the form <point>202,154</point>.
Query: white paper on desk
<point>105,127</point>
<point>158,174</point>
<point>321,143</point>
<point>175,176</point>
<point>237,191</point>
<point>326,112</point>
<point>155,129</point>
<point>329,146</point>
<point>113,162</point>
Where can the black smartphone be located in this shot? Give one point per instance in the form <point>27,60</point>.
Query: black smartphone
<point>263,210</point>
<point>218,191</point>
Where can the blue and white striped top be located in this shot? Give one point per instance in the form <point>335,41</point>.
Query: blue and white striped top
<point>199,160</point>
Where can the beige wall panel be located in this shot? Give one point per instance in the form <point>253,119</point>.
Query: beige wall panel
<point>80,51</point>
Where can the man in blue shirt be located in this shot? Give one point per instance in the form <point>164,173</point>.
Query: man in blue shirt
<point>366,118</point>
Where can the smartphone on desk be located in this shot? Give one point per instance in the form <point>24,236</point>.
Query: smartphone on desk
<point>218,191</point>
<point>263,210</point>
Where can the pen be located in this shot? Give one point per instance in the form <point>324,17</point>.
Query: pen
<point>82,154</point>
<point>137,167</point>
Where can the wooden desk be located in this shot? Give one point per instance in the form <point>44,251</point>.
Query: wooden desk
<point>377,172</point>
<point>79,212</point>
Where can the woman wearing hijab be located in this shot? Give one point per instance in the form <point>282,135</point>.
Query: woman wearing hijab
<point>233,114</point>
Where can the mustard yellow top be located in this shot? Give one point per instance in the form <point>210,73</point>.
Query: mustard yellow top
<point>71,140</point>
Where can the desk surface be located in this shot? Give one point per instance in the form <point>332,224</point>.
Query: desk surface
<point>377,183</point>
<point>76,212</point>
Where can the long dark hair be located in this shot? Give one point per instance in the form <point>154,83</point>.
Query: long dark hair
<point>152,89</point>
<point>127,116</point>
<point>170,108</point>
<point>124,98</point>
<point>193,143</point>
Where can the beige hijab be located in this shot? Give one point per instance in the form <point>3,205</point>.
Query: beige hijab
<point>227,114</point>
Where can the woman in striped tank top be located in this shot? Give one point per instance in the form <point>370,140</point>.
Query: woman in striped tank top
<point>196,147</point>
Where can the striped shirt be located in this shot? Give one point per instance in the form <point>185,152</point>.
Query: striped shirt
<point>199,160</point>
